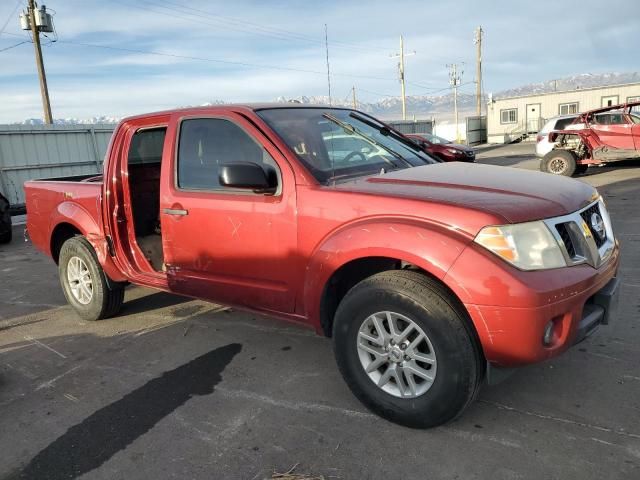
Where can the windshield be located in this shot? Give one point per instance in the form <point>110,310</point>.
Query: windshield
<point>435,139</point>
<point>339,143</point>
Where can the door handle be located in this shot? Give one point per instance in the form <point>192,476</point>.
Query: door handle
<point>175,211</point>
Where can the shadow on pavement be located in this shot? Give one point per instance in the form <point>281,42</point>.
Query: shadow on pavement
<point>90,443</point>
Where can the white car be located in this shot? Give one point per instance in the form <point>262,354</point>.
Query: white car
<point>563,122</point>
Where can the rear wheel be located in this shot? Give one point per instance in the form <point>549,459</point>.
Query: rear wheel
<point>559,162</point>
<point>406,349</point>
<point>84,282</point>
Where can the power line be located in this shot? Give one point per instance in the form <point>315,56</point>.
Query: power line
<point>15,9</point>
<point>173,9</point>
<point>376,93</point>
<point>431,89</point>
<point>281,31</point>
<point>215,60</point>
<point>14,46</point>
<point>205,59</point>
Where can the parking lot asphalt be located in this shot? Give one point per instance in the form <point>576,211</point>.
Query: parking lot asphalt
<point>180,388</point>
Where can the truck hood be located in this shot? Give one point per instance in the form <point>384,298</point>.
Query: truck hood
<point>513,194</point>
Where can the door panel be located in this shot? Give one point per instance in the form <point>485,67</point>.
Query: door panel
<point>636,135</point>
<point>230,246</point>
<point>613,130</point>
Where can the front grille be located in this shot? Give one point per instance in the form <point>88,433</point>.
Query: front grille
<point>579,239</point>
<point>470,153</point>
<point>563,231</point>
<point>586,216</point>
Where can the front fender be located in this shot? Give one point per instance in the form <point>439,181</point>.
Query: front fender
<point>432,248</point>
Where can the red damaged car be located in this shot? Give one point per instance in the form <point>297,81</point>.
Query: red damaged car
<point>443,149</point>
<point>609,134</point>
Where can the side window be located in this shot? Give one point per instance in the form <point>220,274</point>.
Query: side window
<point>509,115</point>
<point>610,119</point>
<point>563,123</point>
<point>205,144</point>
<point>146,146</point>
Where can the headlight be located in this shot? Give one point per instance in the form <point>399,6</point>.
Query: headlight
<point>528,246</point>
<point>454,151</point>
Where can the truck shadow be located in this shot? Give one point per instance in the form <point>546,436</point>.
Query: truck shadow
<point>153,301</point>
<point>90,443</point>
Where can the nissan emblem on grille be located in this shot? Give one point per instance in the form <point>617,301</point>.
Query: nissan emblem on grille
<point>597,224</point>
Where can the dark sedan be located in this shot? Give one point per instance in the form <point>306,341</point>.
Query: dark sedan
<point>442,149</point>
<point>5,220</point>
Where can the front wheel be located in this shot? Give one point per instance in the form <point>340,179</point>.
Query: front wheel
<point>559,162</point>
<point>84,282</point>
<point>407,350</point>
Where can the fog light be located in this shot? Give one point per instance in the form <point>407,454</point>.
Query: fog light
<point>547,338</point>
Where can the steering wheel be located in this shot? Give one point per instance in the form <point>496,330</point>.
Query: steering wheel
<point>349,158</point>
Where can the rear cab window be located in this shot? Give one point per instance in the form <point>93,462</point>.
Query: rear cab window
<point>146,146</point>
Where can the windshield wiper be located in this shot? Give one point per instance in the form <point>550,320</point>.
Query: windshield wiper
<point>386,131</point>
<point>351,129</point>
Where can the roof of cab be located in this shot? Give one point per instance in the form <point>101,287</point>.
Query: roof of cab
<point>232,106</point>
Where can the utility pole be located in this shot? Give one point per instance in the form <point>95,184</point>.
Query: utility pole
<point>326,46</point>
<point>35,33</point>
<point>401,75</point>
<point>455,80</point>
<point>478,41</point>
<point>353,92</point>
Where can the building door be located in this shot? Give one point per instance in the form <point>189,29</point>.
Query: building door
<point>610,100</point>
<point>533,118</point>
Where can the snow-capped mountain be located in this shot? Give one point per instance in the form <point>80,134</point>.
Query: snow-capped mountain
<point>424,106</point>
<point>73,121</point>
<point>574,82</point>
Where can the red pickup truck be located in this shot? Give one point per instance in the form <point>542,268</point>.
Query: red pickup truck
<point>430,277</point>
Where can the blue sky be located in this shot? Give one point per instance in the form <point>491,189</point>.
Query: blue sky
<point>524,42</point>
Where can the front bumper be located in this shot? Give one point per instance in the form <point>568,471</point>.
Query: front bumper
<point>511,309</point>
<point>598,310</point>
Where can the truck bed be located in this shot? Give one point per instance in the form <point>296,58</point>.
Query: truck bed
<point>76,197</point>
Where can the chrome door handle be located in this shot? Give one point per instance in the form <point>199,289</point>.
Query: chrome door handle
<point>175,211</point>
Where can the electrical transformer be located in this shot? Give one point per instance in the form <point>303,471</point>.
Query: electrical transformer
<point>44,20</point>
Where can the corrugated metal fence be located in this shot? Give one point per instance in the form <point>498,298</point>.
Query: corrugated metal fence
<point>476,130</point>
<point>412,126</point>
<point>40,151</point>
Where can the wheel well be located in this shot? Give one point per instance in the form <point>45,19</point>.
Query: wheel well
<point>351,273</point>
<point>347,276</point>
<point>60,234</point>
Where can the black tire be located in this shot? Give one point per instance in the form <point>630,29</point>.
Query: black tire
<point>580,169</point>
<point>559,162</point>
<point>460,362</point>
<point>6,237</point>
<point>105,301</point>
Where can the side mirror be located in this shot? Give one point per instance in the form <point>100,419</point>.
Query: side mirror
<point>249,175</point>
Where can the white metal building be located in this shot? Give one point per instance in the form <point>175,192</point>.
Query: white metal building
<point>511,118</point>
